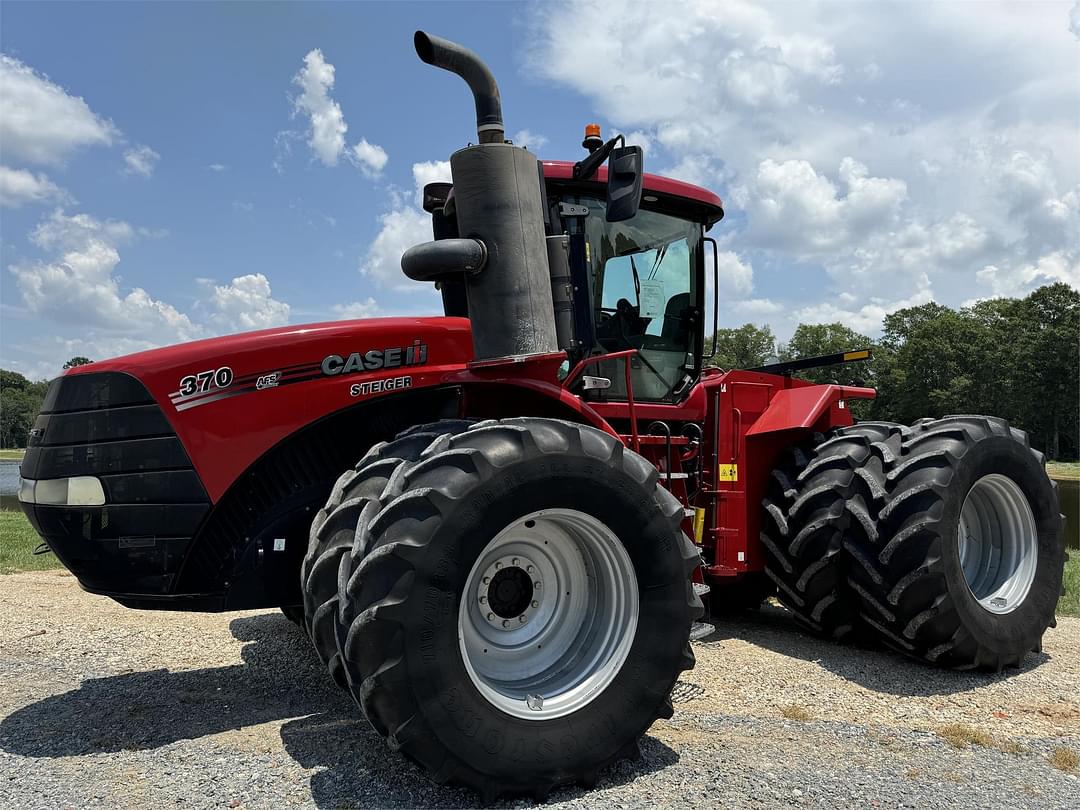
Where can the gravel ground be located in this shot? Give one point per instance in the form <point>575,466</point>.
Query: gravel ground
<point>105,707</point>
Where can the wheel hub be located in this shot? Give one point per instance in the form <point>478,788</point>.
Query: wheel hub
<point>508,591</point>
<point>998,543</point>
<point>549,614</point>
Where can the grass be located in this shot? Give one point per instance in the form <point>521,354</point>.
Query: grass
<point>959,735</point>
<point>1069,604</point>
<point>796,712</point>
<point>1065,759</point>
<point>17,543</point>
<point>12,455</point>
<point>1064,470</point>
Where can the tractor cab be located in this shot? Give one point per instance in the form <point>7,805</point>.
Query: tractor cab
<point>639,283</point>
<point>633,280</point>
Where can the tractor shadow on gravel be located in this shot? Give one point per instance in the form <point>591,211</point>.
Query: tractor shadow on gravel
<point>280,678</point>
<point>864,661</point>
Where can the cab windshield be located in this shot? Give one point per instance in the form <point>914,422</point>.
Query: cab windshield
<point>645,296</point>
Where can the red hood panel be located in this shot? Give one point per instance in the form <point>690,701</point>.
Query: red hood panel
<point>230,399</point>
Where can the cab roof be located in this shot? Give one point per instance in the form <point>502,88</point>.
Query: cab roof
<point>711,206</point>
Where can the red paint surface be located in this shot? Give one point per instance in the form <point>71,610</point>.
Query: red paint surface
<point>224,438</point>
<point>564,170</point>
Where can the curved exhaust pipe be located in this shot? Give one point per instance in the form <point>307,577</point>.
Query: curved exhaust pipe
<point>450,56</point>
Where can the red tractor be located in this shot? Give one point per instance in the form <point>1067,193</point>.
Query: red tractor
<point>497,526</point>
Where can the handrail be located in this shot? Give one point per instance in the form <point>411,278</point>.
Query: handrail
<point>625,355</point>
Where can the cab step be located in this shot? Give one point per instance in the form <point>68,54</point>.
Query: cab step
<point>700,588</point>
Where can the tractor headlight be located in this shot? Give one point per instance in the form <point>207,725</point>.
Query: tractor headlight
<point>84,490</point>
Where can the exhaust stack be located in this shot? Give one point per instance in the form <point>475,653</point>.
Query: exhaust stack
<point>501,252</point>
<point>443,53</point>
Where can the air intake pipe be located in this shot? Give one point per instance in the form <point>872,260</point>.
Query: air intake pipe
<point>501,251</point>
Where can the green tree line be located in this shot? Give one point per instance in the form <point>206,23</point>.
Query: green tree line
<point>1015,358</point>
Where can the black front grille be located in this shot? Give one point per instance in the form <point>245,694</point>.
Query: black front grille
<point>107,425</point>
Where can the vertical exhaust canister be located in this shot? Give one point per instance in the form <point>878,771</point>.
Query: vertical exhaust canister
<point>498,202</point>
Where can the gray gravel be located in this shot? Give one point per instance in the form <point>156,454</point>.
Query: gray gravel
<point>109,707</point>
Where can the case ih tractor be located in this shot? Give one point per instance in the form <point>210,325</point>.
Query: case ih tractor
<point>497,526</point>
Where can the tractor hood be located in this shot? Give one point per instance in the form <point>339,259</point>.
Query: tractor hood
<point>256,388</point>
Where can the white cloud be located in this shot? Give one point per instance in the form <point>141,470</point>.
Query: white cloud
<point>327,134</point>
<point>1074,19</point>
<point>405,225</point>
<point>431,171</point>
<point>40,122</point>
<point>246,303</point>
<point>736,275</point>
<point>867,317</point>
<point>77,286</point>
<point>640,138</point>
<point>326,121</point>
<point>1019,281</point>
<point>369,157</point>
<point>755,307</point>
<point>794,208</point>
<point>399,230</point>
<point>533,141</point>
<point>217,167</point>
<point>19,187</point>
<point>838,154</point>
<point>141,160</point>
<point>368,308</point>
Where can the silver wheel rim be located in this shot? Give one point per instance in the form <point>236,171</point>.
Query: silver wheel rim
<point>999,543</point>
<point>548,614</point>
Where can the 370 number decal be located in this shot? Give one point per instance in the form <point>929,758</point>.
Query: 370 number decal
<point>206,380</point>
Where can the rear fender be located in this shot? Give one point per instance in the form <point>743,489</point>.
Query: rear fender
<point>813,407</point>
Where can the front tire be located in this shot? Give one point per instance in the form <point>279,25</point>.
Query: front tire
<point>473,702</point>
<point>333,529</point>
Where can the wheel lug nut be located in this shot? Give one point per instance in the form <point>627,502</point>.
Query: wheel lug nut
<point>535,604</point>
<point>498,565</point>
<point>483,600</point>
<point>487,580</point>
<point>491,617</point>
<point>514,561</point>
<point>537,585</point>
<point>506,622</point>
<point>521,619</point>
<point>529,568</point>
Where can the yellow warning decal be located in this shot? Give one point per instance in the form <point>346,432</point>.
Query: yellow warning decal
<point>699,524</point>
<point>729,472</point>
<point>859,355</point>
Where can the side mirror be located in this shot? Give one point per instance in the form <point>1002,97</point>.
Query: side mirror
<point>625,174</point>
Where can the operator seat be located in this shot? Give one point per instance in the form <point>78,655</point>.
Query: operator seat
<point>675,331</point>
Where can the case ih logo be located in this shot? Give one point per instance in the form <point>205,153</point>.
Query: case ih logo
<point>374,359</point>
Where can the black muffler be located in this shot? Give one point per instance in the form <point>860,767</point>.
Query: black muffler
<point>498,204</point>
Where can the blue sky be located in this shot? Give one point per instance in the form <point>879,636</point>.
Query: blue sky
<point>171,171</point>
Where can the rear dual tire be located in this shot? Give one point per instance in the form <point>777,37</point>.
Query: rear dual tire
<point>469,700</point>
<point>943,539</point>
